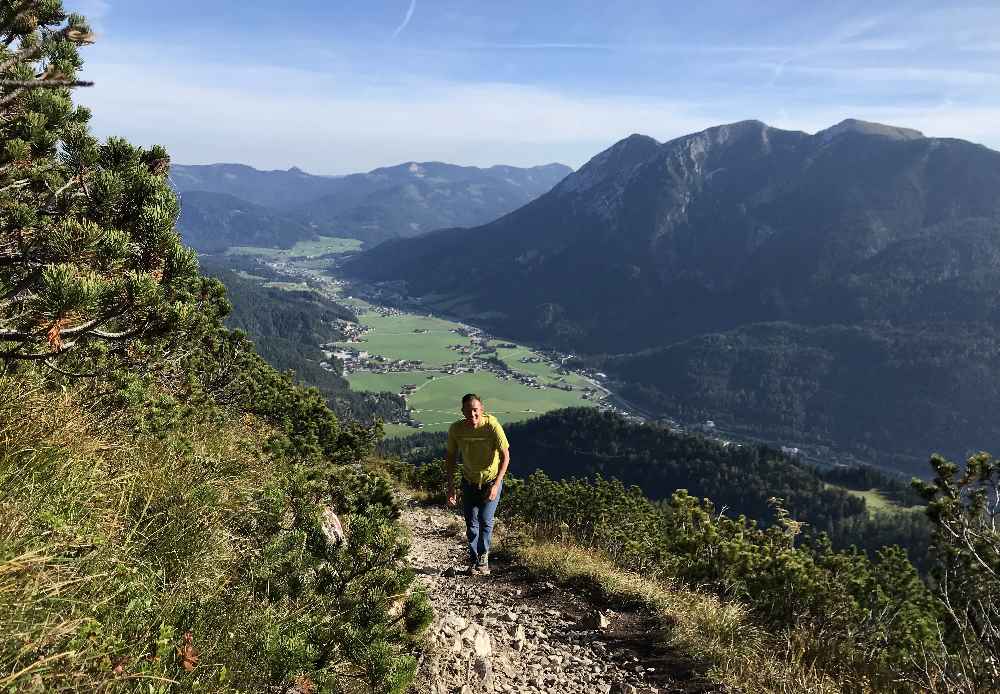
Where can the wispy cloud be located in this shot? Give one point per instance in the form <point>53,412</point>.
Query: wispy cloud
<point>328,125</point>
<point>554,45</point>
<point>406,19</point>
<point>480,91</point>
<point>938,77</point>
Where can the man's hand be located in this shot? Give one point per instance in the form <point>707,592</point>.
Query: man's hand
<point>494,490</point>
<point>452,499</point>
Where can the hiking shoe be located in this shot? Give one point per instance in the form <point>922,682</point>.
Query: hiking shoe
<point>482,567</point>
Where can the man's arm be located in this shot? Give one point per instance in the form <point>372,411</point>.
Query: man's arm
<point>449,468</point>
<point>504,462</point>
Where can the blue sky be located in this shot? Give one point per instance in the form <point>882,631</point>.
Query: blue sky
<point>336,86</point>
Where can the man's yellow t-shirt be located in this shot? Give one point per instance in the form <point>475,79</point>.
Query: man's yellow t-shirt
<point>480,448</point>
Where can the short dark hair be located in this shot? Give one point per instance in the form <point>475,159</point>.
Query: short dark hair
<point>469,397</point>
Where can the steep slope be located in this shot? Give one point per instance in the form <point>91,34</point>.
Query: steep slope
<point>288,329</point>
<point>886,392</point>
<point>650,243</point>
<point>531,635</point>
<point>213,222</point>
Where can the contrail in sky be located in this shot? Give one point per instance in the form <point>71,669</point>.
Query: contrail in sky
<point>406,19</point>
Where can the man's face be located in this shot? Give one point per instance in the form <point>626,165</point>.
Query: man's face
<point>473,411</point>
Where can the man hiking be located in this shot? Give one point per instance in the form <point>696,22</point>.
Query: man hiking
<point>485,457</point>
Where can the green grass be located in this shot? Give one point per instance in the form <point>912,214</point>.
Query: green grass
<point>319,246</point>
<point>398,430</point>
<point>288,286</point>
<point>392,382</point>
<point>437,403</point>
<point>877,502</point>
<point>393,337</point>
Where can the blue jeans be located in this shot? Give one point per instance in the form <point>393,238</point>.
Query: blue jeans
<point>479,512</point>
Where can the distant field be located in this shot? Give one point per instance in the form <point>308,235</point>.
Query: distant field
<point>320,246</point>
<point>393,338</point>
<point>436,402</point>
<point>392,382</point>
<point>288,286</point>
<point>878,502</point>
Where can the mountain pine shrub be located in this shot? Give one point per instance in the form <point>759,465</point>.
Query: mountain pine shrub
<point>839,616</point>
<point>165,495</point>
<point>965,578</point>
<point>89,255</point>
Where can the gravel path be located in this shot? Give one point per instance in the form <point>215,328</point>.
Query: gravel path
<point>510,632</point>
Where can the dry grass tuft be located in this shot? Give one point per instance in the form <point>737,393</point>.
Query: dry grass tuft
<point>710,630</point>
<point>105,535</point>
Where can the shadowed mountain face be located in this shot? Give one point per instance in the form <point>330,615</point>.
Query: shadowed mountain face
<point>213,222</point>
<point>398,201</point>
<point>651,244</point>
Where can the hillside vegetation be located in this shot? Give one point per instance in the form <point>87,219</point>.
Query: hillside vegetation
<point>175,515</point>
<point>743,480</point>
<point>772,608</point>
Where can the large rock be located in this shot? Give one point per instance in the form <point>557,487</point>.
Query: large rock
<point>332,529</point>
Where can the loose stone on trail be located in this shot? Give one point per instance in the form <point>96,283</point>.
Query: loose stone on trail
<point>509,633</point>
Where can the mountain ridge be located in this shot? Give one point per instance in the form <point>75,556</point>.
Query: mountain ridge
<point>405,199</point>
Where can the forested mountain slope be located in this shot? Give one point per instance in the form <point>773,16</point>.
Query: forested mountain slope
<point>213,222</point>
<point>890,235</point>
<point>224,204</point>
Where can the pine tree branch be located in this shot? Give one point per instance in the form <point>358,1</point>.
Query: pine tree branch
<point>41,83</point>
<point>16,336</point>
<point>21,56</point>
<point>55,368</point>
<point>38,356</point>
<point>15,13</point>
<point>22,85</point>
<point>123,335</point>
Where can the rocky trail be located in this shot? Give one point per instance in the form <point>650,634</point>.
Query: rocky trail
<point>511,632</point>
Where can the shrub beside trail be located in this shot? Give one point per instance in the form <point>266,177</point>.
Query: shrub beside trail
<point>175,515</point>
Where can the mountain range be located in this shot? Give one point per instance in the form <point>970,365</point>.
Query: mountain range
<point>224,205</point>
<point>837,288</point>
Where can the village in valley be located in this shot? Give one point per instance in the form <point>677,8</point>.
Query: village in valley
<point>397,345</point>
<point>529,381</point>
<point>475,352</point>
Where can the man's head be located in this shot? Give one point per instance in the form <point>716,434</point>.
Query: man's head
<point>472,408</point>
